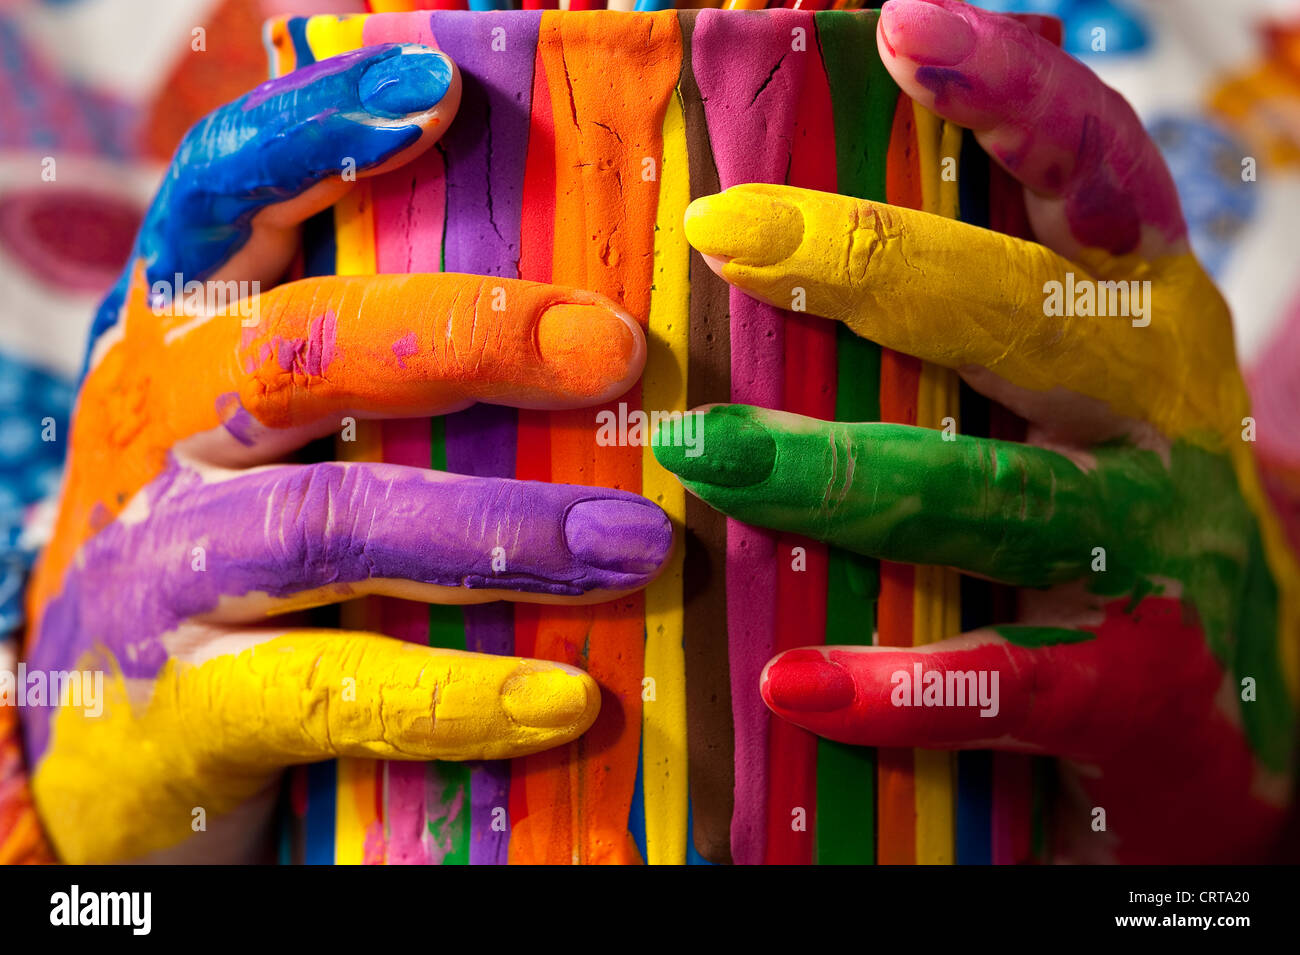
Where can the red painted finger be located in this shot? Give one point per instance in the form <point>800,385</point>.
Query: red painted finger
<point>1094,691</point>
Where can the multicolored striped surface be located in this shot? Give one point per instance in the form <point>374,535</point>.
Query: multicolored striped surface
<point>581,139</point>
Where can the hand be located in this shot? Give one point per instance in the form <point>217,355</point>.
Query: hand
<point>1156,646</point>
<point>179,532</point>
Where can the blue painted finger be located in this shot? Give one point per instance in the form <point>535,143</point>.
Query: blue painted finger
<point>357,113</point>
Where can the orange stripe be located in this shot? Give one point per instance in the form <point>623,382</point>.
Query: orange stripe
<point>604,241</point>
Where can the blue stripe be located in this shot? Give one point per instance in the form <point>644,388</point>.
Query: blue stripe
<point>322,786</point>
<point>302,51</point>
<point>636,817</point>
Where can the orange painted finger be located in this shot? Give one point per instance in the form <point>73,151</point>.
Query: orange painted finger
<point>292,364</point>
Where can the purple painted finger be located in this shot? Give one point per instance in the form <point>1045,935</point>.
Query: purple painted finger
<point>1094,176</point>
<point>203,546</point>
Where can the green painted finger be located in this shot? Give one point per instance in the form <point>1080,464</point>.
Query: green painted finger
<point>1007,511</point>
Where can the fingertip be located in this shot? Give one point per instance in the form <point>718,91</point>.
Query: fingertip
<point>624,535</point>
<point>417,80</point>
<point>930,32</point>
<point>751,224</point>
<point>560,700</point>
<point>806,680</point>
<point>597,350</point>
<point>729,447</point>
<point>717,263</point>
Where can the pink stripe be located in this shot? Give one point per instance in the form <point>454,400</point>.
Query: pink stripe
<point>406,441</point>
<point>402,213</point>
<point>405,801</point>
<point>1012,808</point>
<point>399,28</point>
<point>751,108</point>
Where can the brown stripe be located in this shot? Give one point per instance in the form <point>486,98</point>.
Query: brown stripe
<point>709,728</point>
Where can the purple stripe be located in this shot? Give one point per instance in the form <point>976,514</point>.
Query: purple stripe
<point>485,184</point>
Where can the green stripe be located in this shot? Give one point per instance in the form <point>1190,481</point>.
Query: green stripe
<point>447,630</point>
<point>863,97</point>
<point>1025,635</point>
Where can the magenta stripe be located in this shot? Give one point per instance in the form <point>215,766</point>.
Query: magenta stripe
<point>750,104</point>
<point>408,238</point>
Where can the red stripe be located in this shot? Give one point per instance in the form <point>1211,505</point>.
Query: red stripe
<point>900,377</point>
<point>533,444</point>
<point>801,594</point>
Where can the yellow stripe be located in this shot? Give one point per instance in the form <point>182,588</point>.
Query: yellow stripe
<point>354,220</point>
<point>354,237</point>
<point>331,35</point>
<point>950,386</point>
<point>949,148</point>
<point>936,603</point>
<point>663,720</point>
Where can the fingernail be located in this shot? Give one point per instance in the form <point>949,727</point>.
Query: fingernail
<point>597,351</point>
<point>731,448</point>
<point>618,535</point>
<point>550,696</point>
<point>927,32</point>
<point>807,682</point>
<point>404,84</point>
<point>745,224</point>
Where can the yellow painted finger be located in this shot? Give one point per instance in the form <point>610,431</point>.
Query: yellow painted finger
<point>961,296</point>
<point>314,694</point>
<point>212,735</point>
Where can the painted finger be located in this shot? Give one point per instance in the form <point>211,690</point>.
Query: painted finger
<point>282,701</point>
<point>217,728</point>
<point>1007,511</point>
<point>236,546</point>
<point>1023,324</point>
<point>1078,690</point>
<point>244,177</point>
<point>1094,178</point>
<point>319,350</point>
